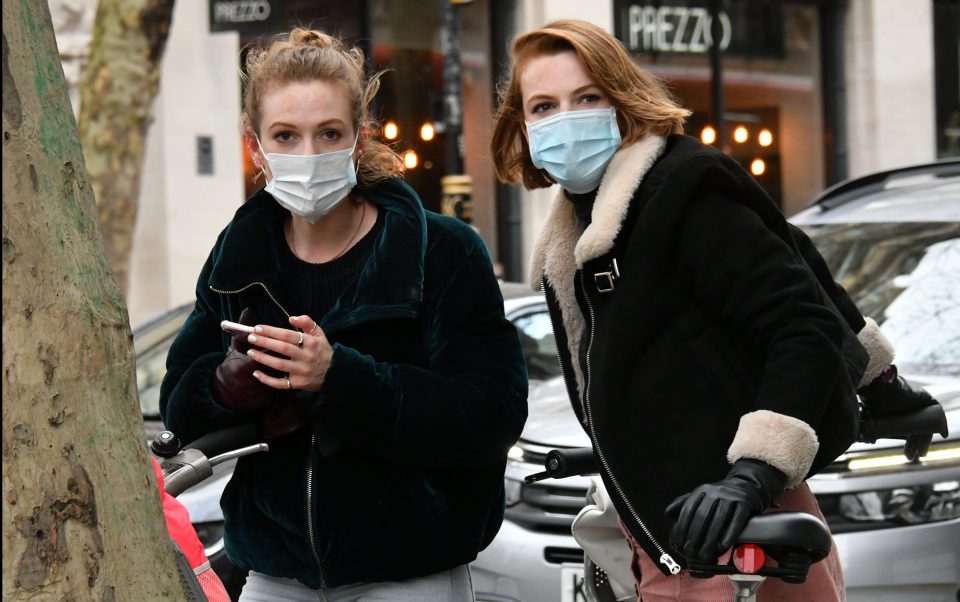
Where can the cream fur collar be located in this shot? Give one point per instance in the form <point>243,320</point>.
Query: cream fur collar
<point>564,246</point>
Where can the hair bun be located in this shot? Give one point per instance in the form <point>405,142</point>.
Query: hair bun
<point>308,37</point>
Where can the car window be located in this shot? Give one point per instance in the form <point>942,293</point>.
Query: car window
<point>906,276</point>
<point>151,366</point>
<point>539,346</point>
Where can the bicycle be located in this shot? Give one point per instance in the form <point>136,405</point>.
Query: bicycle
<point>795,540</point>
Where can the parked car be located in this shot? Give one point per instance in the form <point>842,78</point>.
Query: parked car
<point>152,341</point>
<point>893,240</point>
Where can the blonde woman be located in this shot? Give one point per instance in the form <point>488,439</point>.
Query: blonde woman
<point>702,354</point>
<point>381,366</point>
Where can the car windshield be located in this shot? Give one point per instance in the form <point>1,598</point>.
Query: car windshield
<point>906,276</point>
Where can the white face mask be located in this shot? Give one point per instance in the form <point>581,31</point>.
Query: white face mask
<point>311,185</point>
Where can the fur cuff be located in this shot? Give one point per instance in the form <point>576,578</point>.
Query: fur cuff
<point>784,442</point>
<point>878,348</point>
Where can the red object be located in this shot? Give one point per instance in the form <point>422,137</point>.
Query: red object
<point>749,558</point>
<point>182,532</point>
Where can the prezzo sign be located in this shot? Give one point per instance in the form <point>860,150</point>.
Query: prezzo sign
<point>240,11</point>
<point>680,29</point>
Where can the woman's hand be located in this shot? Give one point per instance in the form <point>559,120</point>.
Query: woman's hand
<point>308,351</point>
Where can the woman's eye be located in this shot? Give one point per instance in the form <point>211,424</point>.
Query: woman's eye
<point>283,136</point>
<point>331,135</point>
<point>589,98</point>
<point>541,107</point>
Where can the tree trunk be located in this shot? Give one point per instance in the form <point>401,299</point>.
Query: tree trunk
<point>81,512</point>
<point>119,85</point>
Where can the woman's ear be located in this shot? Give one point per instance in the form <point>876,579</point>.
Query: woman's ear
<point>256,153</point>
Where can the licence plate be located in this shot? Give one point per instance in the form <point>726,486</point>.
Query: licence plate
<point>572,587</point>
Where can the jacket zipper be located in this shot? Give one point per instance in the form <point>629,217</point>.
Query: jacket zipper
<point>310,528</point>
<point>563,369</point>
<point>665,558</point>
<point>311,533</point>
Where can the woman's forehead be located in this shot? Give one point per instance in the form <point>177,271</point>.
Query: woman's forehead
<point>553,74</point>
<point>315,101</point>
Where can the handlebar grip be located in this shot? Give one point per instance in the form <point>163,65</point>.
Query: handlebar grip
<point>224,440</point>
<point>562,463</point>
<point>928,420</point>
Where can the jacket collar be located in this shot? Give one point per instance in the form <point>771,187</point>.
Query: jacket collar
<point>391,281</point>
<point>563,246</point>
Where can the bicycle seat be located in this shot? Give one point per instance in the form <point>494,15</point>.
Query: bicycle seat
<point>795,531</point>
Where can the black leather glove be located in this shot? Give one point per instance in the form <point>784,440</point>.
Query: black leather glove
<point>889,396</point>
<point>708,520</point>
<point>234,385</point>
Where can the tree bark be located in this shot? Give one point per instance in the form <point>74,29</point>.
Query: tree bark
<point>119,85</point>
<point>81,512</point>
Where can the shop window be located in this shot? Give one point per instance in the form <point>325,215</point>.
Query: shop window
<point>771,82</point>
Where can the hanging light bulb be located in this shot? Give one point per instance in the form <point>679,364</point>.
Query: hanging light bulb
<point>740,134</point>
<point>391,131</point>
<point>708,135</point>
<point>410,159</point>
<point>427,131</point>
<point>765,137</point>
<point>758,167</point>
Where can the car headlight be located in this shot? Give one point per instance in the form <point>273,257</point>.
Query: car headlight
<point>512,490</point>
<point>903,505</point>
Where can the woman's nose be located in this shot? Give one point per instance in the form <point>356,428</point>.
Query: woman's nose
<point>310,147</point>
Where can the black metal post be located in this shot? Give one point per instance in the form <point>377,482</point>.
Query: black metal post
<point>716,73</point>
<point>456,185</point>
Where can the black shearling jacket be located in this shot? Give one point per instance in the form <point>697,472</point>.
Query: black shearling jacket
<point>705,336</point>
<point>425,394</point>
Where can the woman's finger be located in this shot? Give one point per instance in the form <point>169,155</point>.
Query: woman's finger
<point>307,324</point>
<point>271,361</point>
<point>281,346</point>
<point>282,383</point>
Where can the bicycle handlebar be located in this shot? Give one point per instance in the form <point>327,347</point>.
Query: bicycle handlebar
<point>228,439</point>
<point>928,420</point>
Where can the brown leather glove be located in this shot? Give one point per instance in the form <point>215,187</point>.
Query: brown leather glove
<point>234,385</point>
<point>283,416</point>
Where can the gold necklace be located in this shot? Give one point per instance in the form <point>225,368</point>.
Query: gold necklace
<point>293,244</point>
<point>363,213</point>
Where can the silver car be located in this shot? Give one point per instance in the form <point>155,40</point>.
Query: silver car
<point>893,240</point>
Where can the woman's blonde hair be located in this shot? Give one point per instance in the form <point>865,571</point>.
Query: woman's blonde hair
<point>304,55</point>
<point>643,103</point>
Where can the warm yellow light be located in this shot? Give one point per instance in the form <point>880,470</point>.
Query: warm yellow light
<point>426,131</point>
<point>936,455</point>
<point>880,462</point>
<point>740,134</point>
<point>765,137</point>
<point>940,455</point>
<point>410,159</point>
<point>391,131</point>
<point>708,135</point>
<point>758,167</point>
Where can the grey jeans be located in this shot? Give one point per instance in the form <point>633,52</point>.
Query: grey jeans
<point>449,586</point>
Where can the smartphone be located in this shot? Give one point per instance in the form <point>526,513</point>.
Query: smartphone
<point>234,328</point>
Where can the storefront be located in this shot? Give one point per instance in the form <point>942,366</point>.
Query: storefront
<point>404,40</point>
<point>774,76</point>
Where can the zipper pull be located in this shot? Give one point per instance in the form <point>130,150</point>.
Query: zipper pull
<point>671,564</point>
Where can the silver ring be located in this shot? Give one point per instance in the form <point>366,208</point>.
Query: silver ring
<point>300,342</point>
<point>315,326</point>
<point>289,386</point>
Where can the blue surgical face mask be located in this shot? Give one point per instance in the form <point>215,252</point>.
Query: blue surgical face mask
<point>574,147</point>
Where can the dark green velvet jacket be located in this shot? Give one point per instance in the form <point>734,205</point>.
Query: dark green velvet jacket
<point>403,461</point>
